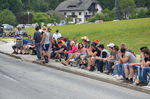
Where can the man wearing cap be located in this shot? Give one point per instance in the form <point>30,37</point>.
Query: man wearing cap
<point>110,60</point>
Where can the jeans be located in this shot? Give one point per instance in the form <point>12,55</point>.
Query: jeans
<point>120,69</point>
<point>109,66</point>
<point>144,72</point>
<point>99,65</point>
<point>78,57</point>
<point>38,50</point>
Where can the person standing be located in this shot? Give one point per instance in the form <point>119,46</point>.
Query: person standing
<point>37,39</point>
<point>19,40</point>
<point>46,41</point>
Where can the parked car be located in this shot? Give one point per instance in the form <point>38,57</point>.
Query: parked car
<point>8,27</point>
<point>20,25</point>
<point>35,25</point>
<point>28,25</point>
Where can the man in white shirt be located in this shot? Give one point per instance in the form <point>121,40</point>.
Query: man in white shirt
<point>57,35</point>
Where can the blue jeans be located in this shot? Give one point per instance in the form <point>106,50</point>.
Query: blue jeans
<point>78,57</point>
<point>109,66</point>
<point>120,69</point>
<point>144,72</point>
<point>38,50</point>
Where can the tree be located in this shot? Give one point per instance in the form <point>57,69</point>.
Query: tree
<point>39,17</point>
<point>118,14</point>
<point>7,17</point>
<point>127,7</point>
<point>55,18</point>
<point>15,5</point>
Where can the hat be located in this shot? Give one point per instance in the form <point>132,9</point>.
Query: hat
<point>111,45</point>
<point>97,41</point>
<point>85,38</point>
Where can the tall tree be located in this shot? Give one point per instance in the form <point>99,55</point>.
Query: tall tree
<point>7,17</point>
<point>127,8</point>
<point>118,14</point>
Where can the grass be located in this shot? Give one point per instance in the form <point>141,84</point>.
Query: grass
<point>135,33</point>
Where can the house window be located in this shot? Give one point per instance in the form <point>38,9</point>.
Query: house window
<point>64,13</point>
<point>80,13</point>
<point>86,13</point>
<point>73,13</point>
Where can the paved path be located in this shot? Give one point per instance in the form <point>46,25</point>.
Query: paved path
<point>22,80</point>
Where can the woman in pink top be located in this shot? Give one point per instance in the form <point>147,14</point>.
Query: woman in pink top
<point>80,50</point>
<point>74,48</point>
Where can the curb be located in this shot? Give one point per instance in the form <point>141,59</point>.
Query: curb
<point>11,55</point>
<point>3,41</point>
<point>136,88</point>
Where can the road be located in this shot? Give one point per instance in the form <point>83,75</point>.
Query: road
<point>23,80</point>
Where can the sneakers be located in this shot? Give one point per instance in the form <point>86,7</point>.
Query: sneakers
<point>72,60</point>
<point>46,59</point>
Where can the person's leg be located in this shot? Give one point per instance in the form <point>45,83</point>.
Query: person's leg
<point>119,68</point>
<point>109,66</point>
<point>37,47</point>
<point>122,69</point>
<point>100,65</point>
<point>126,71</point>
<point>144,74</point>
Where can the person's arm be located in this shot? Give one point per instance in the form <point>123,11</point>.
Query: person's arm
<point>143,63</point>
<point>43,38</point>
<point>124,60</point>
<point>73,49</point>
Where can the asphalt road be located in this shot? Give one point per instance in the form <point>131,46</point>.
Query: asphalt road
<point>22,80</point>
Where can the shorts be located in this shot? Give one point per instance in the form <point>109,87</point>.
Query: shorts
<point>45,47</point>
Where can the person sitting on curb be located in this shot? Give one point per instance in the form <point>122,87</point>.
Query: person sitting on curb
<point>126,58</point>
<point>101,59</point>
<point>73,50</point>
<point>110,60</point>
<point>92,52</point>
<point>76,54</point>
<point>144,68</point>
<point>59,51</point>
<point>28,44</point>
<point>135,66</point>
<point>19,41</point>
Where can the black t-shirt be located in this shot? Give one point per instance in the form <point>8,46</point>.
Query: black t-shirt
<point>65,47</point>
<point>96,50</point>
<point>147,59</point>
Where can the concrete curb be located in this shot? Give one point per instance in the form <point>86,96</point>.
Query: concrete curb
<point>137,88</point>
<point>11,55</point>
<point>3,41</point>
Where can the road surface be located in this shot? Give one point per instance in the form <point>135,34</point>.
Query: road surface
<point>22,80</point>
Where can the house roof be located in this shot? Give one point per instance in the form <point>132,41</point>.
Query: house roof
<point>75,5</point>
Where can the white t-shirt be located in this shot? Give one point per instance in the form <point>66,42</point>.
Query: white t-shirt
<point>57,35</point>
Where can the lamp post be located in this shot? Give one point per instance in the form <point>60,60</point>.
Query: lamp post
<point>28,16</point>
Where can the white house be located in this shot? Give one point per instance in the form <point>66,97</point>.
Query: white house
<point>79,10</point>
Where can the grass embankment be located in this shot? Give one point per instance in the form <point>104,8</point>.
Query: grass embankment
<point>135,33</point>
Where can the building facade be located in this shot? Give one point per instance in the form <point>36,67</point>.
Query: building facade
<point>79,10</point>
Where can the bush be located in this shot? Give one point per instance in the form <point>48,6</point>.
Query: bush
<point>7,17</point>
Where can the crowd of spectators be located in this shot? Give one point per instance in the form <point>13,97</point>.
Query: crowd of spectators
<point>115,60</point>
